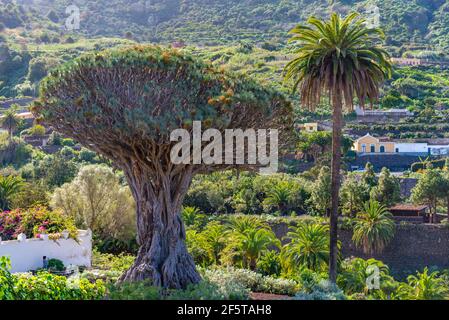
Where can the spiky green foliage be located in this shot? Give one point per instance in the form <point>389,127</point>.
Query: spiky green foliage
<point>424,286</point>
<point>341,57</point>
<point>9,121</point>
<point>374,228</point>
<point>9,186</point>
<point>136,96</point>
<point>308,247</point>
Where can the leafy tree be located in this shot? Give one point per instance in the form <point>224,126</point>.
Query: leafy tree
<point>341,58</point>
<point>9,187</point>
<point>388,189</point>
<point>428,190</point>
<point>164,90</point>
<point>54,170</point>
<point>320,197</point>
<point>308,247</point>
<point>354,194</point>
<point>32,194</point>
<point>315,145</point>
<point>96,200</point>
<point>369,176</point>
<point>374,228</point>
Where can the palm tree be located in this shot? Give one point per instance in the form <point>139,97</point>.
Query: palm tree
<point>9,121</point>
<point>340,58</point>
<point>253,243</point>
<point>215,240</point>
<point>239,224</point>
<point>374,228</point>
<point>280,196</point>
<point>308,247</point>
<point>424,286</point>
<point>9,186</point>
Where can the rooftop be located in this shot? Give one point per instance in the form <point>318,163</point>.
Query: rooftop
<point>408,207</point>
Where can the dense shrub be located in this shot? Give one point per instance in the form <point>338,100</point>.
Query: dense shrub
<point>46,286</point>
<point>37,130</point>
<point>436,164</point>
<point>255,282</point>
<point>97,200</point>
<point>324,290</point>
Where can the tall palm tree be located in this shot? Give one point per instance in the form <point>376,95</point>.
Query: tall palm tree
<point>374,228</point>
<point>342,59</point>
<point>9,121</point>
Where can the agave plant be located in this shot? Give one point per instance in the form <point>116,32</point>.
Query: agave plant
<point>424,286</point>
<point>308,247</point>
<point>374,228</point>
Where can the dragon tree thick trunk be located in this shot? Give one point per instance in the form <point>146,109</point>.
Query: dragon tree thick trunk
<point>163,257</point>
<point>337,119</point>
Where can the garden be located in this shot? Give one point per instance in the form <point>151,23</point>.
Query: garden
<point>196,231</point>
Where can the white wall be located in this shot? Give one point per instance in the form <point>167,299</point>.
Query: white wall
<point>27,255</point>
<point>411,147</point>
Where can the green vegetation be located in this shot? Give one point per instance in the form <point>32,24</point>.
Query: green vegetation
<point>341,59</point>
<point>373,228</point>
<point>225,227</point>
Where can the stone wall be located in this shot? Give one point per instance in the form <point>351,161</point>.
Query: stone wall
<point>412,248</point>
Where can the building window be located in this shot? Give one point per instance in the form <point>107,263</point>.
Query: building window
<point>382,149</point>
<point>373,148</point>
<point>363,147</point>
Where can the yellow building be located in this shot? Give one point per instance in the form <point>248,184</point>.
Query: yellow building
<point>309,127</point>
<point>370,144</point>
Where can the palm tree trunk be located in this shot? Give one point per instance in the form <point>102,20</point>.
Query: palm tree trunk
<point>448,208</point>
<point>337,120</point>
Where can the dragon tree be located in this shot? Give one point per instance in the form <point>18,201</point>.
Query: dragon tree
<point>124,103</point>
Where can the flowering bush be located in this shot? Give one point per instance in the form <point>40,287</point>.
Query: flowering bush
<point>33,222</point>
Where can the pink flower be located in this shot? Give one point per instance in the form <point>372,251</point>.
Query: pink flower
<point>41,229</point>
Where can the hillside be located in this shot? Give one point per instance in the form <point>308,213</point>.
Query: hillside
<point>211,22</point>
<point>246,36</point>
